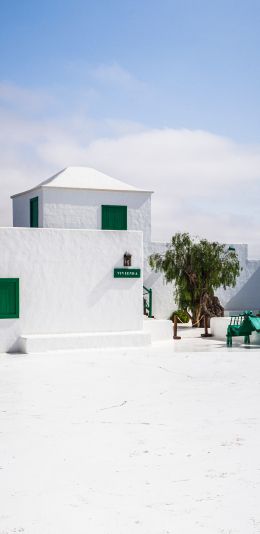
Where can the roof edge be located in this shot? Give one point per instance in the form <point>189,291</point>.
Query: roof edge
<point>28,191</point>
<point>81,189</point>
<point>97,189</point>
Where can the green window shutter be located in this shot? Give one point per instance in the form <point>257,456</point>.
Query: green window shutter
<point>9,298</point>
<point>114,217</point>
<point>34,217</point>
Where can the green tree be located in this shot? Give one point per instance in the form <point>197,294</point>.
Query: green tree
<point>198,268</point>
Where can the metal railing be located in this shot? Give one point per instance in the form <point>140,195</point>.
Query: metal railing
<point>148,301</point>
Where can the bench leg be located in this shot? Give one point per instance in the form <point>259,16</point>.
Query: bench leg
<point>229,341</point>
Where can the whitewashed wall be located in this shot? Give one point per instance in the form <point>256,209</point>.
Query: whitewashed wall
<point>218,327</point>
<point>21,208</point>
<point>66,281</point>
<point>79,208</point>
<point>72,208</point>
<point>163,294</point>
<point>248,269</point>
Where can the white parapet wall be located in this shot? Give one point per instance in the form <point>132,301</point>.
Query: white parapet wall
<point>67,284</point>
<point>159,329</point>
<point>218,327</point>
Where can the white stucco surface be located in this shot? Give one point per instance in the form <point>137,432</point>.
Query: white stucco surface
<point>91,340</point>
<point>72,208</point>
<point>21,208</point>
<point>163,293</point>
<point>67,284</point>
<point>218,327</point>
<point>73,198</point>
<point>81,208</point>
<point>247,296</point>
<point>248,269</point>
<point>133,441</point>
<point>159,329</point>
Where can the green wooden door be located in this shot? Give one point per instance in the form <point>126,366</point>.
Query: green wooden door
<point>34,215</point>
<point>9,298</point>
<point>114,217</point>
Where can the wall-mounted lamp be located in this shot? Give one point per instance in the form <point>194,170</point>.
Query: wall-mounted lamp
<point>127,259</point>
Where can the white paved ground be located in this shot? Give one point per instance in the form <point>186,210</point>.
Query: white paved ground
<point>147,441</point>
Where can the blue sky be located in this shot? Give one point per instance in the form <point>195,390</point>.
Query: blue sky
<point>199,60</point>
<point>160,94</point>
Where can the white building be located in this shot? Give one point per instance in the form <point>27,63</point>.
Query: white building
<point>58,289</point>
<point>63,280</point>
<point>81,197</point>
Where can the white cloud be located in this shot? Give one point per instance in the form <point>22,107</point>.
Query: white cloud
<point>205,184</point>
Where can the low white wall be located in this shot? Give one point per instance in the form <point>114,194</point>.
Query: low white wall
<point>160,329</point>
<point>67,284</point>
<point>218,327</point>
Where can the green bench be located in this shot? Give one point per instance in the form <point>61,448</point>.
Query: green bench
<point>242,325</point>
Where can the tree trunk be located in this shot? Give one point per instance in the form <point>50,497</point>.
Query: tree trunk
<point>210,306</point>
<point>196,315</point>
<point>202,321</point>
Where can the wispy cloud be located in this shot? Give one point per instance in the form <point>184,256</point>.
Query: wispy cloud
<point>104,74</point>
<point>24,99</point>
<point>114,74</point>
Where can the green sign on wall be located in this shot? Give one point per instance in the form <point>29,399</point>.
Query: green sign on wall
<point>123,272</point>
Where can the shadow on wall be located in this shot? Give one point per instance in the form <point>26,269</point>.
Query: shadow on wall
<point>152,278</point>
<point>248,297</point>
<point>104,284</point>
<point>10,332</point>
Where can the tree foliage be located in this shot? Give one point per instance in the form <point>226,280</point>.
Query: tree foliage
<point>198,268</point>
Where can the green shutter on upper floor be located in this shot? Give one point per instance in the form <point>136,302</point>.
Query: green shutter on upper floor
<point>34,212</point>
<point>114,217</point>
